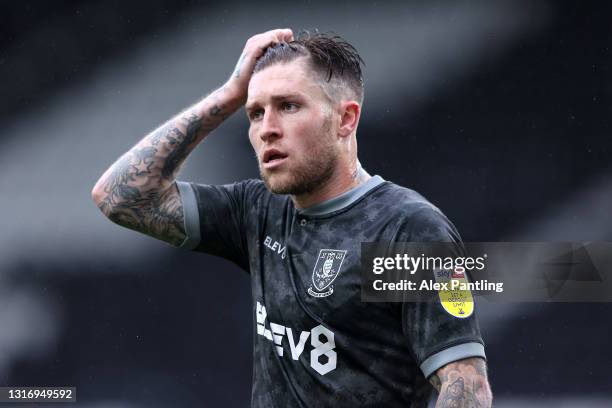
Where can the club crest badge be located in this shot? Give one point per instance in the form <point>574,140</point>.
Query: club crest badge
<point>325,272</point>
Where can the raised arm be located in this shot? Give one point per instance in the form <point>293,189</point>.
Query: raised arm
<point>139,190</point>
<point>463,384</point>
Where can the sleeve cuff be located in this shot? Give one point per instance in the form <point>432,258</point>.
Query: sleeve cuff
<point>458,352</point>
<point>191,215</point>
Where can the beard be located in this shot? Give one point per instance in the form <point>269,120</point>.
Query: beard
<point>304,178</point>
<point>316,170</point>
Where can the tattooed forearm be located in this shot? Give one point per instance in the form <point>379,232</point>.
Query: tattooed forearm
<point>180,145</point>
<point>463,384</point>
<point>138,191</point>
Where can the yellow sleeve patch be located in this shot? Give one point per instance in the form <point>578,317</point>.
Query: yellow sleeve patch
<point>455,297</point>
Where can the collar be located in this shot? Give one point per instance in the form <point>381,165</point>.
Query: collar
<point>343,200</point>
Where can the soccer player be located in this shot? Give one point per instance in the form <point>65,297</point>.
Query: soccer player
<point>298,234</point>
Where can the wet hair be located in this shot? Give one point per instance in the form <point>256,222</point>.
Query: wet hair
<point>335,62</point>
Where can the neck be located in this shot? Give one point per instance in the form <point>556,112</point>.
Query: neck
<point>337,185</point>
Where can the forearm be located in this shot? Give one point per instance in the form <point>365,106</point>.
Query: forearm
<point>141,180</point>
<point>139,191</point>
<point>463,384</point>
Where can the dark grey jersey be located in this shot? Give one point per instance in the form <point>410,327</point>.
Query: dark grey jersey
<point>316,343</point>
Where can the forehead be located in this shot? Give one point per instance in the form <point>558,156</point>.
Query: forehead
<point>283,79</point>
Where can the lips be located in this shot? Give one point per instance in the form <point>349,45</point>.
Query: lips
<point>273,157</point>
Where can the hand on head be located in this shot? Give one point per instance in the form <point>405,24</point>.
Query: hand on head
<point>253,49</point>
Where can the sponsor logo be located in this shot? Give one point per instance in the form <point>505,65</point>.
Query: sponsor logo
<point>325,271</point>
<point>323,358</point>
<point>458,273</point>
<point>275,247</point>
<point>456,301</point>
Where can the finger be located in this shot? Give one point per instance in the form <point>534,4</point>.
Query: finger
<point>281,35</point>
<point>270,38</point>
<point>288,34</point>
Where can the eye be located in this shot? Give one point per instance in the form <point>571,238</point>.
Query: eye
<point>256,114</point>
<point>289,106</point>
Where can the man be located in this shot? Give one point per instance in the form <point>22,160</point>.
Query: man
<point>298,234</point>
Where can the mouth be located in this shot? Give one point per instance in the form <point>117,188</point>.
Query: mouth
<point>273,158</point>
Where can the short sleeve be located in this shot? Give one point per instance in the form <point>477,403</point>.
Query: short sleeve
<point>437,337</point>
<point>215,218</point>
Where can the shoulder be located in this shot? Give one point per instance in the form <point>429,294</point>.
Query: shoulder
<point>255,192</point>
<point>253,188</point>
<point>405,202</point>
<point>418,219</point>
<point>249,189</point>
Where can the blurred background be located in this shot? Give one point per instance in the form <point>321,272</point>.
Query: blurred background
<point>497,111</point>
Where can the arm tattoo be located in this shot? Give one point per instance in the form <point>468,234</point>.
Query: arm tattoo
<point>157,214</point>
<point>180,144</point>
<point>463,384</point>
<point>139,190</point>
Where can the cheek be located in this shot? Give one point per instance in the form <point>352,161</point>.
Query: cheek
<point>252,139</point>
<point>312,128</point>
<point>312,147</point>
<point>306,137</point>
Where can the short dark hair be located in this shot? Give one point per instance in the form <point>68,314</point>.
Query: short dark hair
<point>336,61</point>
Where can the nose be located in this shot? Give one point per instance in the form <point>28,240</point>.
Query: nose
<point>270,127</point>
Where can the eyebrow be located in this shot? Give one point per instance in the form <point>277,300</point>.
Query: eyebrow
<point>281,97</point>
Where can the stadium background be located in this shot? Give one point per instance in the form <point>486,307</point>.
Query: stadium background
<point>498,112</point>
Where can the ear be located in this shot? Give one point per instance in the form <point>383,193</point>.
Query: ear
<point>350,112</point>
